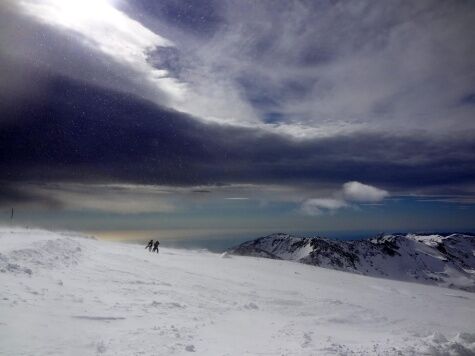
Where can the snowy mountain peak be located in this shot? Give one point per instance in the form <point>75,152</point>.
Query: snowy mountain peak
<point>441,259</point>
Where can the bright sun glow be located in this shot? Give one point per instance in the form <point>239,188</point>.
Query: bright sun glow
<point>104,28</point>
<point>100,24</point>
<point>73,13</point>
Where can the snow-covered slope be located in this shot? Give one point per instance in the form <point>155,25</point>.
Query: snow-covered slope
<point>62,294</point>
<point>444,260</point>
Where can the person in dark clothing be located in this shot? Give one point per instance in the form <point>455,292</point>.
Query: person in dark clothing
<point>155,246</point>
<point>149,246</point>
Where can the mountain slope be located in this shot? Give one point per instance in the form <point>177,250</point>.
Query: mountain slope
<point>63,294</point>
<point>444,260</point>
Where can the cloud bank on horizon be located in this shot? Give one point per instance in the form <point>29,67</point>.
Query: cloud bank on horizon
<point>323,105</point>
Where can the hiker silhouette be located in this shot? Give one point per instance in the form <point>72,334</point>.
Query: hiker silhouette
<point>149,246</point>
<point>155,246</point>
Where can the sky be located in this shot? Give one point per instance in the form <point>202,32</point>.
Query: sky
<point>195,119</point>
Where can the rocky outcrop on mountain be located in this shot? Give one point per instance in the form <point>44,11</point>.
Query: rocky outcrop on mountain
<point>440,259</point>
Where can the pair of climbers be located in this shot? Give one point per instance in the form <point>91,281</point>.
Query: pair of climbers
<point>154,245</point>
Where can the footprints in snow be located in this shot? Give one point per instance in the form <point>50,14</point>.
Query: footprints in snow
<point>190,348</point>
<point>98,318</point>
<point>177,333</point>
<point>307,337</point>
<point>170,305</point>
<point>251,306</point>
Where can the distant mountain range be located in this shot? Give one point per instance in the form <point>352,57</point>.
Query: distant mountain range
<point>440,259</point>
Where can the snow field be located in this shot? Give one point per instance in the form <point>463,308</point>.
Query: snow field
<point>63,294</point>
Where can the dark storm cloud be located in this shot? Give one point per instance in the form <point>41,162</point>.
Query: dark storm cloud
<point>391,96</point>
<point>11,194</point>
<point>81,133</point>
<point>31,51</point>
<point>304,68</point>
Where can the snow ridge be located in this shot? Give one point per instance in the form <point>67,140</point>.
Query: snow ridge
<point>26,251</point>
<point>446,260</point>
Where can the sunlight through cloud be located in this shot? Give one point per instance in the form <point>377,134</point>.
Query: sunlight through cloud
<point>106,29</point>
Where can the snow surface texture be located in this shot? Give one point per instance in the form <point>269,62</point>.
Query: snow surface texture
<point>62,294</point>
<point>443,260</point>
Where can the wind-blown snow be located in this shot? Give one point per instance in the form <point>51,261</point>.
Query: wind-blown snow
<point>63,294</point>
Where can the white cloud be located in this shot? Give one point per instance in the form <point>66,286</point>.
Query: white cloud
<point>404,68</point>
<point>359,192</point>
<point>318,206</point>
<point>351,192</point>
